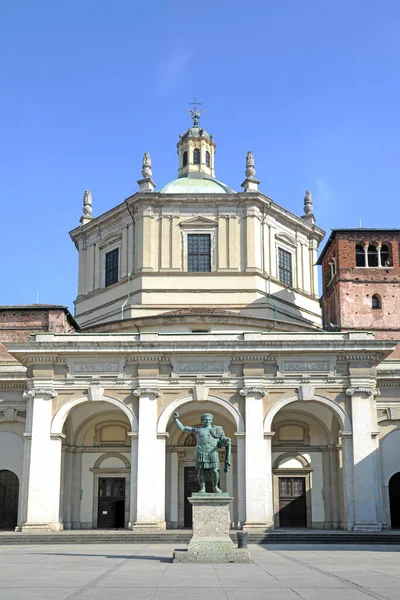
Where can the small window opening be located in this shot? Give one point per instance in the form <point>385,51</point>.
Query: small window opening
<point>385,261</point>
<point>184,162</point>
<point>372,256</point>
<point>199,253</point>
<point>196,156</point>
<point>285,266</point>
<point>376,302</point>
<point>112,267</point>
<point>208,159</point>
<point>360,256</point>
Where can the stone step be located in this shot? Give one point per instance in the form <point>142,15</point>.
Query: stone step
<point>183,537</point>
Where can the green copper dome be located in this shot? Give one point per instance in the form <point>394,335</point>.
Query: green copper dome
<point>196,185</point>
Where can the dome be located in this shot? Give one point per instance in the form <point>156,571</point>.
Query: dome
<point>196,185</point>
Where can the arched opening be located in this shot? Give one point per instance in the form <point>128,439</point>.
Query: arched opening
<point>360,256</point>
<point>181,475</point>
<point>185,158</point>
<point>385,256</point>
<point>394,499</point>
<point>196,156</point>
<point>208,158</point>
<point>372,256</point>
<point>306,459</point>
<point>376,302</point>
<point>9,494</point>
<point>97,484</point>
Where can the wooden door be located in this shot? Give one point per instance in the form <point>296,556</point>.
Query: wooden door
<point>292,502</point>
<point>9,492</point>
<point>111,511</point>
<point>192,485</point>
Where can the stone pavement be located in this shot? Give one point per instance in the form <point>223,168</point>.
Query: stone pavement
<point>140,572</point>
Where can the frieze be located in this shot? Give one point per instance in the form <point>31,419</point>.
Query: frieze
<point>362,390</point>
<point>193,366</point>
<point>305,366</point>
<point>144,391</point>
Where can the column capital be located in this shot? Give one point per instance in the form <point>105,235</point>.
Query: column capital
<point>253,390</point>
<point>30,394</point>
<point>146,391</point>
<point>362,390</point>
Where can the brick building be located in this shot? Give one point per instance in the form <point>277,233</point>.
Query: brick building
<point>360,282</point>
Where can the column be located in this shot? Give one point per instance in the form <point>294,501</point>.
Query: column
<point>348,483</point>
<point>130,249</point>
<point>43,506</point>
<point>165,250</point>
<point>67,491</point>
<point>76,489</point>
<point>124,252</point>
<point>234,247</point>
<point>257,462</point>
<point>133,491</point>
<point>97,266</point>
<point>82,267</point>
<point>379,248</point>
<point>366,254</point>
<point>367,501</point>
<point>174,490</point>
<point>241,478</point>
<point>150,464</point>
<point>223,236</point>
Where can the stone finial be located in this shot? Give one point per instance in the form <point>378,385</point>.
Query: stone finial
<point>308,208</point>
<point>87,208</point>
<point>250,184</point>
<point>146,184</point>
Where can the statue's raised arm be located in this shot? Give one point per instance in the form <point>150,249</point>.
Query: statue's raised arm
<point>180,426</point>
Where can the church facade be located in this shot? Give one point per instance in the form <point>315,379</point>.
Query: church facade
<point>197,298</point>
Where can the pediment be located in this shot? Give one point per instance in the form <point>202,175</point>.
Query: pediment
<point>287,239</point>
<point>199,222</point>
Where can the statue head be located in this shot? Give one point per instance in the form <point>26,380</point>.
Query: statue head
<point>206,418</point>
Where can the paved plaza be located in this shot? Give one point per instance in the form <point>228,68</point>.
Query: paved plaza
<point>145,572</point>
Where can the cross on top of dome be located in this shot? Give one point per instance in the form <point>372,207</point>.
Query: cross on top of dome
<point>195,113</point>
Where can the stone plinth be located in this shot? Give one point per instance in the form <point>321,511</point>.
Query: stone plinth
<point>210,541</point>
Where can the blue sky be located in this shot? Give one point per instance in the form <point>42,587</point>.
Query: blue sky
<point>312,88</point>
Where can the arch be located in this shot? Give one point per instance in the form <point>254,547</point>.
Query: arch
<point>287,455</point>
<point>103,457</point>
<point>208,159</point>
<point>372,256</point>
<point>171,408</point>
<point>196,156</point>
<point>9,496</point>
<point>341,413</point>
<point>60,417</point>
<point>376,302</point>
<point>386,255</point>
<point>360,255</point>
<point>394,499</point>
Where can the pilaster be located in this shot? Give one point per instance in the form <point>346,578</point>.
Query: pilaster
<point>43,506</point>
<point>150,461</point>
<point>367,493</point>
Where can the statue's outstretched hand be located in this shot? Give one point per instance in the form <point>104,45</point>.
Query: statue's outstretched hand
<point>176,415</point>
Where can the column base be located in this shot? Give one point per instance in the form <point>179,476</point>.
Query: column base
<point>149,526</point>
<point>258,527</point>
<point>40,527</point>
<point>367,527</point>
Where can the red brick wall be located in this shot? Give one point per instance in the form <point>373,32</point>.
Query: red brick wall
<point>16,325</point>
<point>347,298</point>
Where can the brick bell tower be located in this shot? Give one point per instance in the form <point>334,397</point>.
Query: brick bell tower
<point>361,282</point>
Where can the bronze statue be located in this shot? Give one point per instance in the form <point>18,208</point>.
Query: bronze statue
<point>209,438</point>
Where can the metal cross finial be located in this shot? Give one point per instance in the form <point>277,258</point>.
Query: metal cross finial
<point>196,113</point>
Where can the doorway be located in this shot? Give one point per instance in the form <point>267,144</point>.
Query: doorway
<point>394,498</point>
<point>9,492</point>
<point>111,510</point>
<point>292,502</point>
<point>192,485</point>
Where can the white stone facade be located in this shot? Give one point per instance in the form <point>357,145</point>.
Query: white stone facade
<point>86,418</point>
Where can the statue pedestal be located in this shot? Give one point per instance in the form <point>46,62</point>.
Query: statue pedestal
<point>210,542</point>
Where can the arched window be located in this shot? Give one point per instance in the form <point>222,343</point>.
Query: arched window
<point>184,162</point>
<point>385,260</point>
<point>372,256</point>
<point>208,158</point>
<point>196,156</point>
<point>360,256</point>
<point>376,302</point>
